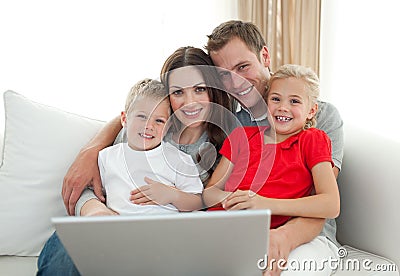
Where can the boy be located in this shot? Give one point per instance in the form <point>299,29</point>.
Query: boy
<point>145,157</point>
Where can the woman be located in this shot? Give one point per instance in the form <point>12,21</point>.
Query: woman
<point>202,112</point>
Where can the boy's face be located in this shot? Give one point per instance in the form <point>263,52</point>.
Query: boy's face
<point>145,123</point>
<point>245,77</point>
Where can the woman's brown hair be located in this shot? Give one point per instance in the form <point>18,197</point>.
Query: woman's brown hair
<point>218,125</point>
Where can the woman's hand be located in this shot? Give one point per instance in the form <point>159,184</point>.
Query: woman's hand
<point>154,193</point>
<point>242,200</point>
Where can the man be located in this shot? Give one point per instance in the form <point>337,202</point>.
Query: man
<point>240,52</point>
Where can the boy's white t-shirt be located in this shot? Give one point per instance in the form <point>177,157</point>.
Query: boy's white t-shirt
<point>123,169</point>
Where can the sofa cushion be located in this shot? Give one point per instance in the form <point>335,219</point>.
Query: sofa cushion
<point>40,143</point>
<point>18,266</point>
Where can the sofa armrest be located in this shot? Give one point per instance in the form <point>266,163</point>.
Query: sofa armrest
<point>369,184</point>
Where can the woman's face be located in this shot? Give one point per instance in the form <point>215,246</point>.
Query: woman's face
<point>189,97</point>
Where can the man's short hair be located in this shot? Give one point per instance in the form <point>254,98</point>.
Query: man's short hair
<point>246,31</point>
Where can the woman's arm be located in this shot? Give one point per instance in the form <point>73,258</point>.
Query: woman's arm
<point>214,192</point>
<point>324,204</point>
<point>84,171</point>
<point>156,193</point>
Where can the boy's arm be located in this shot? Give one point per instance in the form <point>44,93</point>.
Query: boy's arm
<point>95,207</point>
<point>84,170</point>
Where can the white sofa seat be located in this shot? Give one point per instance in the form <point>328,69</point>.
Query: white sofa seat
<point>18,266</point>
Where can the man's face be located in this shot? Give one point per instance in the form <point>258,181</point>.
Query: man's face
<point>242,73</point>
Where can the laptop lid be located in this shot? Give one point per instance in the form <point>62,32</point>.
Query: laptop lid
<point>196,243</point>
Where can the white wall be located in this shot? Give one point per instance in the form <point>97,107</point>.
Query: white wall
<point>360,57</point>
<point>360,75</point>
<point>84,55</point>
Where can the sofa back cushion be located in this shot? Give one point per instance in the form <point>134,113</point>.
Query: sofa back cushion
<point>369,191</point>
<point>40,143</point>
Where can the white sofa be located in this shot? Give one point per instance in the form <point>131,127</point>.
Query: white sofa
<point>40,142</point>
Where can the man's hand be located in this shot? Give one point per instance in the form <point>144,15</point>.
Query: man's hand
<point>85,171</point>
<point>82,173</point>
<point>279,249</point>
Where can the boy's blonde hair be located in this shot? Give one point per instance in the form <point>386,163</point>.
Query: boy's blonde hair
<point>146,88</point>
<point>310,79</point>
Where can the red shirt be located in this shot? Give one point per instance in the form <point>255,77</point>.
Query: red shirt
<point>280,170</point>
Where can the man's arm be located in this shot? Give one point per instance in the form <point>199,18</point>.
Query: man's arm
<point>289,236</point>
<point>330,121</point>
<point>84,170</point>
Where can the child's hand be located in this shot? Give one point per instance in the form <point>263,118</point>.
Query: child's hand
<point>154,193</point>
<point>241,200</point>
<point>94,207</point>
<point>104,212</point>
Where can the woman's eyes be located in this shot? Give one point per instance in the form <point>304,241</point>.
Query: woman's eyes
<point>197,89</point>
<point>200,89</point>
<point>177,92</point>
<point>141,116</point>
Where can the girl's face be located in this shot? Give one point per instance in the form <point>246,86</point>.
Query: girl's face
<point>145,123</point>
<point>188,94</point>
<point>289,106</point>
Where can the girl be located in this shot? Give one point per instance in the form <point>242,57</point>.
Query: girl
<point>277,167</point>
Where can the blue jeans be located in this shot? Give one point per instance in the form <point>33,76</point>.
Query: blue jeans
<point>54,259</point>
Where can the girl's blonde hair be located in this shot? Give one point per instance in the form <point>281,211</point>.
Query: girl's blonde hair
<point>310,79</point>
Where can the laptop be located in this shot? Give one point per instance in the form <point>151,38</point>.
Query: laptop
<point>196,243</point>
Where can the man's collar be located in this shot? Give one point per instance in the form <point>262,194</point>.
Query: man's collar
<point>239,108</point>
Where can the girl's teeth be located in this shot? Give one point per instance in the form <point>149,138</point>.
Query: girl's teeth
<point>284,119</point>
